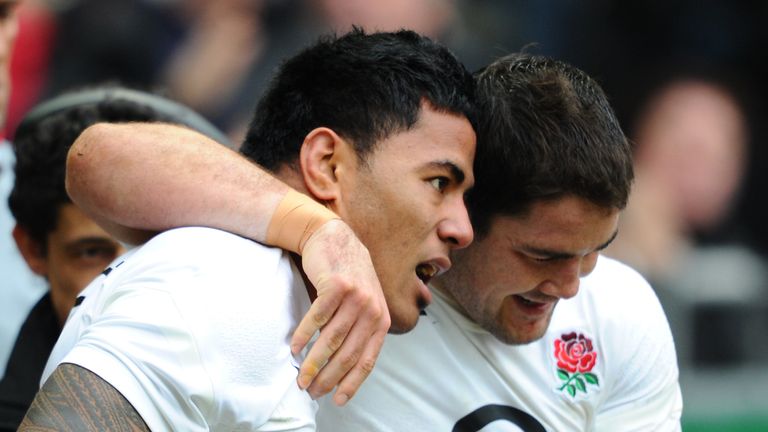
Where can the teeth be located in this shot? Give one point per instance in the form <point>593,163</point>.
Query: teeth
<point>425,271</point>
<point>525,300</point>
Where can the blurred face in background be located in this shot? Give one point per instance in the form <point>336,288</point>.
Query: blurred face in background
<point>692,139</point>
<point>428,17</point>
<point>76,251</point>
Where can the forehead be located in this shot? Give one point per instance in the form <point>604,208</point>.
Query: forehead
<point>73,224</point>
<point>436,137</point>
<point>570,224</point>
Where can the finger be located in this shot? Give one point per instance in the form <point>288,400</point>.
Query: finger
<point>351,383</point>
<point>321,311</point>
<point>342,360</point>
<point>359,350</point>
<point>331,338</point>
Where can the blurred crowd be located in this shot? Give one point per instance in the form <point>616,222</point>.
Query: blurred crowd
<point>213,56</point>
<point>686,79</point>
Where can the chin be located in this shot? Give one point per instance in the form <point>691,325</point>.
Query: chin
<point>518,336</point>
<point>402,321</point>
<point>526,339</point>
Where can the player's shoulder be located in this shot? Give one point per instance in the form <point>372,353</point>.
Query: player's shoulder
<point>197,249</point>
<point>611,278</point>
<point>609,270</point>
<point>198,237</point>
<point>616,289</point>
<point>208,243</point>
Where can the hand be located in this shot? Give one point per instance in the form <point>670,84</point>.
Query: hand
<point>350,311</point>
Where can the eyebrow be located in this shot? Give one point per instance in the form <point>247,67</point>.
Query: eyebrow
<point>562,255</point>
<point>91,241</point>
<point>456,172</point>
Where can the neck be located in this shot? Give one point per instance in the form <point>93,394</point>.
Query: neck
<point>441,285</point>
<point>291,177</point>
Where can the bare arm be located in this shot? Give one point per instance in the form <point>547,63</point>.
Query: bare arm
<point>144,178</point>
<point>76,399</point>
<point>137,179</point>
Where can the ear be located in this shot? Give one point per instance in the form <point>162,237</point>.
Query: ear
<point>324,158</point>
<point>32,251</point>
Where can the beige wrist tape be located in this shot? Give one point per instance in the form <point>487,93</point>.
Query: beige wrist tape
<point>294,221</point>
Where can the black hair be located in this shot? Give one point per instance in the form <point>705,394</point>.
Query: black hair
<point>546,130</point>
<point>47,132</point>
<point>365,87</point>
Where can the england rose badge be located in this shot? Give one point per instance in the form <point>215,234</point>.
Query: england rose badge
<point>576,357</point>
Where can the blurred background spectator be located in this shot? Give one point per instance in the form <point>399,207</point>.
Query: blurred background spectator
<point>685,77</point>
<point>691,149</point>
<point>19,286</point>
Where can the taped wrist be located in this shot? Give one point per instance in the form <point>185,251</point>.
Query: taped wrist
<point>296,218</point>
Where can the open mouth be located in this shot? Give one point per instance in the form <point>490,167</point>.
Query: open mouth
<point>426,272</point>
<point>532,305</point>
<point>527,302</point>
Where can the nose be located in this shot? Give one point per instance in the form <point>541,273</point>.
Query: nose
<point>563,282</point>
<point>456,228</point>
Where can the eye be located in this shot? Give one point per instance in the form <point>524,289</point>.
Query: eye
<point>96,254</point>
<point>91,252</point>
<point>439,183</point>
<point>542,259</point>
<point>545,258</point>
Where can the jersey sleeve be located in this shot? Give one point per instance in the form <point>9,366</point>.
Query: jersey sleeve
<point>197,341</point>
<point>128,346</point>
<point>652,399</point>
<point>647,395</point>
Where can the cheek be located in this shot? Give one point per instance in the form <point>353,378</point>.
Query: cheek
<point>490,290</point>
<point>403,229</point>
<point>491,275</point>
<point>70,275</point>
<point>68,278</point>
<point>81,278</point>
<point>518,276</point>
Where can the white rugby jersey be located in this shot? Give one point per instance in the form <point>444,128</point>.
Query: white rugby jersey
<point>606,363</point>
<point>193,328</point>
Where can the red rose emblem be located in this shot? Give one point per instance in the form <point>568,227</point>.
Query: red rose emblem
<point>575,359</point>
<point>574,353</point>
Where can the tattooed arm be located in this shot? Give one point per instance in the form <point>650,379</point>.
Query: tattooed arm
<point>76,399</point>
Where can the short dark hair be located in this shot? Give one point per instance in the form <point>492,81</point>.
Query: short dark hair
<point>363,86</point>
<point>546,130</point>
<point>48,131</point>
